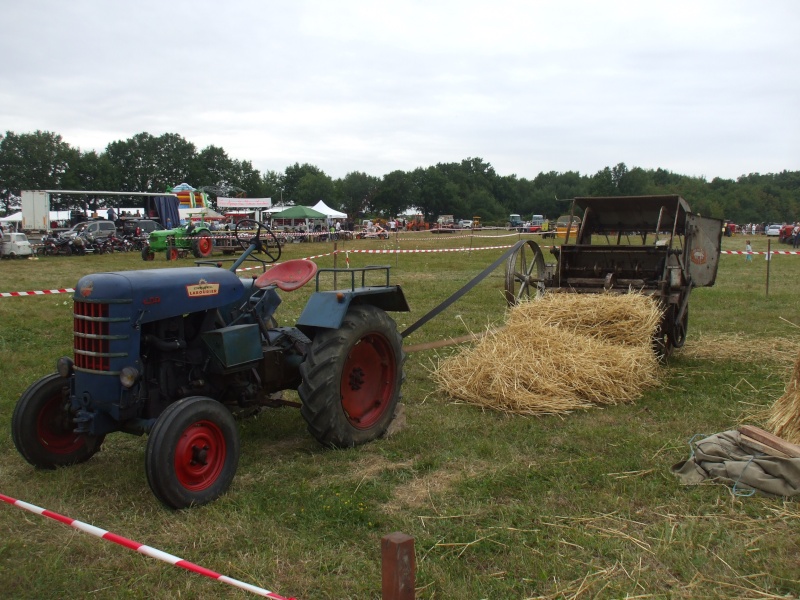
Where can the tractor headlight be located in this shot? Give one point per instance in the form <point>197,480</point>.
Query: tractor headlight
<point>65,366</point>
<point>128,377</point>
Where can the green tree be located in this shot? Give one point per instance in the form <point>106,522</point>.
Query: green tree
<point>355,192</point>
<point>312,188</point>
<point>145,163</point>
<point>91,171</point>
<point>602,183</point>
<point>31,161</point>
<point>292,177</point>
<point>394,195</point>
<point>212,166</point>
<point>271,186</point>
<point>435,194</point>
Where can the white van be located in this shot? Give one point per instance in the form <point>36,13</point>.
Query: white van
<point>14,245</point>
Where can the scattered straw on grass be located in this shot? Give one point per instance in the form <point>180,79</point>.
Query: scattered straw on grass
<point>739,348</point>
<point>559,353</point>
<point>784,416</point>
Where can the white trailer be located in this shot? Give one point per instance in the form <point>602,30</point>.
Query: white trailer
<point>35,210</point>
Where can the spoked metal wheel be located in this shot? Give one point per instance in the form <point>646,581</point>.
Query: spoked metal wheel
<point>525,273</point>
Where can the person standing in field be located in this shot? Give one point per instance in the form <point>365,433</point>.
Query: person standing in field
<point>749,249</point>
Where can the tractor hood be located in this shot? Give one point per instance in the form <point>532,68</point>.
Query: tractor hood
<point>160,293</point>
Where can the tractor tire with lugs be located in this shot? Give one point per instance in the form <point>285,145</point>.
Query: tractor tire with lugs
<point>352,378</point>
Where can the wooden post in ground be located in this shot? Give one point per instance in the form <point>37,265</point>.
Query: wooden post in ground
<point>398,566</point>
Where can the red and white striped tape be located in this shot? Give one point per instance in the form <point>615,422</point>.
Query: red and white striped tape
<point>36,293</point>
<point>141,548</point>
<point>386,251</point>
<point>432,251</point>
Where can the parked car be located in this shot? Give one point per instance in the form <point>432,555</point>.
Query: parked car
<point>774,229</point>
<point>14,245</point>
<point>465,223</point>
<point>140,227</point>
<point>94,229</point>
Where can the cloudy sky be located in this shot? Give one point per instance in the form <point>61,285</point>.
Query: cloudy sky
<point>705,88</point>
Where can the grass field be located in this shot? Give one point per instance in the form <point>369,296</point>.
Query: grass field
<point>500,507</point>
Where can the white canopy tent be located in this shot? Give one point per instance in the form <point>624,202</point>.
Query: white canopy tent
<point>327,210</point>
<point>16,217</point>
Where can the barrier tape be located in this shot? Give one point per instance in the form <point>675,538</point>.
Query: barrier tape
<point>36,293</point>
<point>384,251</point>
<point>141,548</point>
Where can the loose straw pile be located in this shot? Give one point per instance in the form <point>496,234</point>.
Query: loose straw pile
<point>784,416</point>
<point>559,353</point>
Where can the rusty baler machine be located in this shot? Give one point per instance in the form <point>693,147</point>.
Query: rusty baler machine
<point>650,244</point>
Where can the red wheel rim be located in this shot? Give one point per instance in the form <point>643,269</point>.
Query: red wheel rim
<point>204,245</point>
<point>200,455</point>
<point>54,429</point>
<point>368,381</point>
<point>173,254</point>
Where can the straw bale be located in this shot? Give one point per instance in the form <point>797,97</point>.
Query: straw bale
<point>784,416</point>
<point>557,355</point>
<point>629,319</point>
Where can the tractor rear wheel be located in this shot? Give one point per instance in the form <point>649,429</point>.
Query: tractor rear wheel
<point>352,378</point>
<point>202,245</point>
<point>192,452</point>
<point>42,426</point>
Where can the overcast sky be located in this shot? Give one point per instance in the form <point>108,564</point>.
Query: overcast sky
<point>704,88</point>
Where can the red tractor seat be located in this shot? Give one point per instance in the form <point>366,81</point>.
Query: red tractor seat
<point>288,276</point>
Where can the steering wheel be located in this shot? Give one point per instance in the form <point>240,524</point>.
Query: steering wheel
<point>264,240</point>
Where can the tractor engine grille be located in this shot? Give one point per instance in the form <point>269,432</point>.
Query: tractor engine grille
<point>91,339</point>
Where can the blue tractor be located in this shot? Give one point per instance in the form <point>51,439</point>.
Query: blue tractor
<point>176,353</point>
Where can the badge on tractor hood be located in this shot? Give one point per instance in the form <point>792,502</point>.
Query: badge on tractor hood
<point>203,288</point>
<point>87,288</point>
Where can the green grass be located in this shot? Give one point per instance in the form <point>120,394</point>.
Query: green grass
<point>499,506</point>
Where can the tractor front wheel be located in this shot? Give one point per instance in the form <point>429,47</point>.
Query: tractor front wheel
<point>147,254</point>
<point>192,452</point>
<point>42,426</point>
<point>352,378</point>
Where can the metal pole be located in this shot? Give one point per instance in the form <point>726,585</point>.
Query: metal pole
<point>769,262</point>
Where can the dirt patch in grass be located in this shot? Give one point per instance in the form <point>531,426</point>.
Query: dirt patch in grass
<point>421,491</point>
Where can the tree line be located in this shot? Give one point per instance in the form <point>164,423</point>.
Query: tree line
<point>145,163</point>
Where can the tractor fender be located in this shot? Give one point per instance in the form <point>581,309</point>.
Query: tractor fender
<point>327,309</point>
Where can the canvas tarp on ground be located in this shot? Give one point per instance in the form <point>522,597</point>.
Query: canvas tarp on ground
<point>726,458</point>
